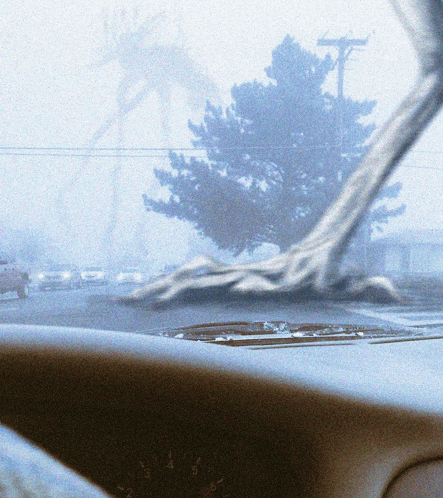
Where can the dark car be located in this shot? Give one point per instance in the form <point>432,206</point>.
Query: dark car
<point>60,276</point>
<point>12,278</point>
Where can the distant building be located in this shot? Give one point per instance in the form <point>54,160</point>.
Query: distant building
<point>409,253</point>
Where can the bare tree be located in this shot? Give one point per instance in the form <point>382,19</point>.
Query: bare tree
<point>313,263</point>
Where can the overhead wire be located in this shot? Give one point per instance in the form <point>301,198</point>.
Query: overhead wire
<point>239,147</point>
<point>155,152</point>
<point>167,149</point>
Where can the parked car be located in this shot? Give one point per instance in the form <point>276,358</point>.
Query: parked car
<point>60,276</point>
<point>12,278</point>
<point>94,275</point>
<point>131,275</point>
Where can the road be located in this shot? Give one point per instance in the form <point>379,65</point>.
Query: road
<point>95,307</point>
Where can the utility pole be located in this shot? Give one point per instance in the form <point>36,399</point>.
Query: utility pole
<point>345,46</point>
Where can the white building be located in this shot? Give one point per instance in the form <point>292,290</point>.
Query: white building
<point>409,253</point>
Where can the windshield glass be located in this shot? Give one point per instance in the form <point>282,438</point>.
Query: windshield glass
<point>148,135</point>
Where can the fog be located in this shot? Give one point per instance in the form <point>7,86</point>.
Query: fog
<point>60,85</point>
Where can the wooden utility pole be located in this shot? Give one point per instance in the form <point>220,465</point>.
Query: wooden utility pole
<point>344,46</point>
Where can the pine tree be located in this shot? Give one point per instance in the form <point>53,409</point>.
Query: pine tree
<point>274,160</point>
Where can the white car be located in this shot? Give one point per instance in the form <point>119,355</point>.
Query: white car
<point>131,275</point>
<point>64,276</point>
<point>94,275</point>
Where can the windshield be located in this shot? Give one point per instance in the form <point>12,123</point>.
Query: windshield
<point>207,142</point>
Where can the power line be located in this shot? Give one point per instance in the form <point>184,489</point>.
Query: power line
<point>112,156</point>
<point>416,166</point>
<point>189,149</point>
<point>166,149</point>
<point>111,152</point>
<point>422,151</point>
<point>89,150</point>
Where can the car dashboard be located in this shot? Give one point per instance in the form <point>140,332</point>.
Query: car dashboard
<point>146,416</point>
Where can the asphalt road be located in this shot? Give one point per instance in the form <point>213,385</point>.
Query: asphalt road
<point>95,307</point>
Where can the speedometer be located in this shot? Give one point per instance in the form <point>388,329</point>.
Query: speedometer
<point>175,472</point>
<point>173,469</point>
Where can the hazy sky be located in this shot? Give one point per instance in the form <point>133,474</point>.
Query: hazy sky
<point>53,94</point>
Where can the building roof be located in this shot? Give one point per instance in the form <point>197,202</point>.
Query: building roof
<point>430,236</point>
